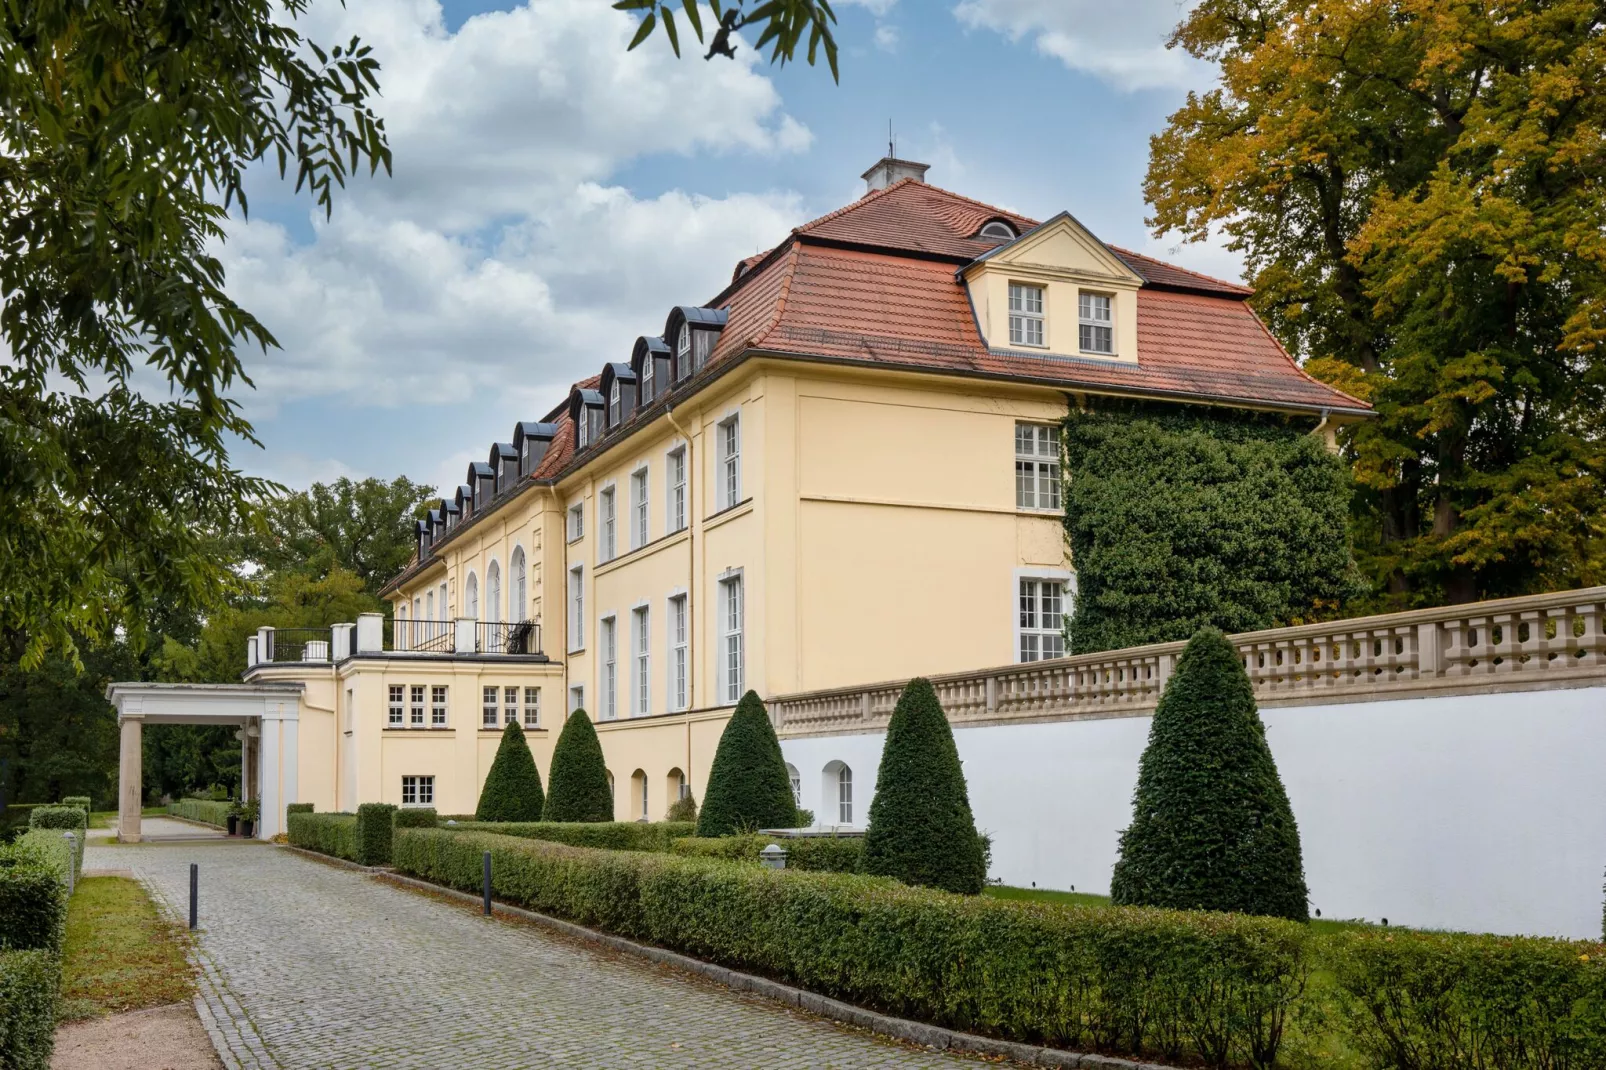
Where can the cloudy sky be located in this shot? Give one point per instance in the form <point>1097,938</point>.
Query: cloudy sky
<point>553,195</point>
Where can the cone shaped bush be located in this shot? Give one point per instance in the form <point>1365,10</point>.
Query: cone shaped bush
<point>1211,825</point>
<point>748,788</point>
<point>577,783</point>
<point>512,790</point>
<point>921,828</point>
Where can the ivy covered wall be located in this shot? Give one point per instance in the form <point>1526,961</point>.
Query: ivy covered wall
<point>1179,517</point>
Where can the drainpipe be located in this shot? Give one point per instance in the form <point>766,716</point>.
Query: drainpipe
<point>1321,427</point>
<point>691,583</point>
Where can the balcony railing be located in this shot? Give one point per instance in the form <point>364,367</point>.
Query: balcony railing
<point>424,636</point>
<point>507,637</point>
<point>1513,644</point>
<point>293,645</point>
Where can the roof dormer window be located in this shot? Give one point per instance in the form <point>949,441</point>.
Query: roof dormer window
<point>582,427</point>
<point>1025,315</point>
<point>646,379</point>
<point>613,405</point>
<point>683,352</point>
<point>998,229</point>
<point>1095,328</point>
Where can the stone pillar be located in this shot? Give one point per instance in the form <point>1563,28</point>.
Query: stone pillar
<point>371,633</point>
<point>464,639</point>
<point>130,784</point>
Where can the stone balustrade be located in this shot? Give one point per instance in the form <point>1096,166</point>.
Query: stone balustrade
<point>1534,643</point>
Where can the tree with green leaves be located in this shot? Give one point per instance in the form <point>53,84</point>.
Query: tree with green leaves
<point>1416,188</point>
<point>512,790</point>
<point>127,134</point>
<point>748,787</point>
<point>1211,825</point>
<point>781,25</point>
<point>921,828</point>
<point>577,782</point>
<point>362,526</point>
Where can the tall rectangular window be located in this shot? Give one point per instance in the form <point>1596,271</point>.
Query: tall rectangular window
<point>643,681</point>
<point>730,636</point>
<point>437,706</point>
<point>532,707</point>
<point>638,508</point>
<point>417,709</point>
<point>613,406</point>
<point>398,701</point>
<point>577,697</point>
<point>676,516</point>
<point>577,608</point>
<point>607,638</point>
<point>1042,617</point>
<point>646,378</point>
<point>678,699</point>
<point>730,462</point>
<point>510,705</point>
<point>577,521</point>
<point>418,791</point>
<point>488,708</point>
<point>1095,330</point>
<point>1037,466</point>
<point>606,521</point>
<point>1025,315</point>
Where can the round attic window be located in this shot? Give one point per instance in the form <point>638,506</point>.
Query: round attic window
<point>998,229</point>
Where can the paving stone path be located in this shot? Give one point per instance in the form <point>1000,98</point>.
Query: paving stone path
<point>305,965</point>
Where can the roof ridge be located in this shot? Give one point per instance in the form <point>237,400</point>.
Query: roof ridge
<point>872,195</point>
<point>1178,267</point>
<point>788,273</point>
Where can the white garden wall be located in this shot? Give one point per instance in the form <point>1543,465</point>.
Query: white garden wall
<point>1483,813</point>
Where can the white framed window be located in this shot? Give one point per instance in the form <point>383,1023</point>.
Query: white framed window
<point>638,508</point>
<point>676,515</point>
<point>796,780</point>
<point>471,597</point>
<point>429,606</point>
<point>516,587</point>
<point>642,684</point>
<point>398,703</point>
<point>510,704</point>
<point>678,655</point>
<point>608,640</point>
<point>488,706</point>
<point>577,521</point>
<point>1026,315</point>
<point>437,706</point>
<point>1037,466</point>
<point>607,524</point>
<point>644,797</point>
<point>532,707</point>
<point>730,461</point>
<point>418,791</point>
<point>418,609</point>
<point>646,377</point>
<point>683,352</point>
<point>1040,620</point>
<point>493,592</point>
<point>844,796</point>
<point>577,697</point>
<point>613,404</point>
<point>445,613</point>
<point>416,707</point>
<point>730,637</point>
<point>1095,330</point>
<point>577,608</point>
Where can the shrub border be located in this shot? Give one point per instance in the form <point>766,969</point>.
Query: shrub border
<point>921,1033</point>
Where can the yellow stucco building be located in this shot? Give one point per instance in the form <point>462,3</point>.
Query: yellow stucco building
<point>843,468</point>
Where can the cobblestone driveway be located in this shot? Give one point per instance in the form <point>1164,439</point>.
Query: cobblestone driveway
<point>310,966</point>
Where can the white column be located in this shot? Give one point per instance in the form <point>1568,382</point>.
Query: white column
<point>267,754</point>
<point>130,786</point>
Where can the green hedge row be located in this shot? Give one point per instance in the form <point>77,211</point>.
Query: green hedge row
<point>416,817</point>
<point>80,801</point>
<point>819,854</point>
<point>608,835</point>
<point>330,834</point>
<point>206,811</point>
<point>1453,1001</point>
<point>28,993</point>
<point>1213,987</point>
<point>375,823</point>
<point>34,873</point>
<point>298,808</point>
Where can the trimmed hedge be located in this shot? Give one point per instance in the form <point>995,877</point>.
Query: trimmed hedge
<point>66,818</point>
<point>608,835</point>
<point>330,834</point>
<point>33,899</point>
<point>80,801</point>
<point>415,817</point>
<point>375,823</point>
<point>1454,1001</point>
<point>298,808</point>
<point>48,824</point>
<point>1213,987</point>
<point>813,854</point>
<point>29,983</point>
<point>512,790</point>
<point>206,811</point>
<point>577,780</point>
<point>748,788</point>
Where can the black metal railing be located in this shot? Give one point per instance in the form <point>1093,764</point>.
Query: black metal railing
<point>298,644</point>
<point>507,637</point>
<point>428,636</point>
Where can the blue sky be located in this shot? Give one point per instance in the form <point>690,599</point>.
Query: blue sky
<point>553,196</point>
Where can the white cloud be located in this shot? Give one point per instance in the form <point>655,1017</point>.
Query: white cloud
<point>886,37</point>
<point>1122,45</point>
<point>877,8</point>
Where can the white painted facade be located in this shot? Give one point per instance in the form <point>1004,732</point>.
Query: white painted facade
<point>1483,812</point>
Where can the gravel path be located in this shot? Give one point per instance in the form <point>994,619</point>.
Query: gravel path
<point>307,965</point>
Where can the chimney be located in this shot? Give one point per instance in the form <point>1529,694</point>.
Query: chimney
<point>890,169</point>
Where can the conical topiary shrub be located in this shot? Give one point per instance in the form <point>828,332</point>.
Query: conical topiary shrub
<point>577,783</point>
<point>512,790</point>
<point>921,828</point>
<point>747,785</point>
<point>1211,825</point>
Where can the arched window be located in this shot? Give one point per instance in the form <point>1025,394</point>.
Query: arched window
<point>471,597</point>
<point>838,787</point>
<point>515,587</point>
<point>797,783</point>
<point>493,592</point>
<point>998,229</point>
<point>683,352</point>
<point>429,606</point>
<point>675,785</point>
<point>445,613</point>
<point>638,785</point>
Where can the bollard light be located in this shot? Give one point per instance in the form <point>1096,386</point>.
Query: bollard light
<point>195,885</point>
<point>773,856</point>
<point>487,884</point>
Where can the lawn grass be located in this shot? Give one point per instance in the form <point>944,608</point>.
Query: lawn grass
<point>121,954</point>
<point>107,819</point>
<point>1046,895</point>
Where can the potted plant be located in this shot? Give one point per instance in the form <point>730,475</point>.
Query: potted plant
<point>249,812</point>
<point>234,817</point>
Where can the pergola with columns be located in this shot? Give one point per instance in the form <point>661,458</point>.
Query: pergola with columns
<point>266,716</point>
